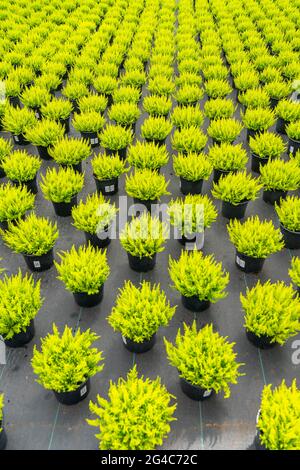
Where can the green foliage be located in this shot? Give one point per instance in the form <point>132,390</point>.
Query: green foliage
<point>20,166</point>
<point>16,120</point>
<point>278,89</point>
<point>191,139</point>
<point>147,155</point>
<point>280,175</point>
<point>6,148</point>
<point>288,212</point>
<point>267,145</point>
<point>270,74</point>
<point>204,358</point>
<point>83,270</point>
<point>140,311</point>
<point>146,185</point>
<point>215,72</point>
<point>293,130</point>
<point>278,420</point>
<point>124,114</point>
<point>70,151</point>
<point>197,275</point>
<point>135,417</point>
<point>66,361</point>
<point>228,157</point>
<point>135,78</point>
<point>255,238</point>
<point>219,108</point>
<point>144,236</point>
<point>161,85</point>
<point>156,105</point>
<point>45,133</point>
<point>20,301</point>
<point>75,90</point>
<point>92,102</point>
<point>89,121</point>
<point>35,96</point>
<point>32,236</point>
<point>93,215</point>
<point>192,167</point>
<point>258,119</point>
<point>15,201</point>
<point>288,110</point>
<point>107,167</point>
<point>272,310</point>
<point>57,109</point>
<point>61,185</point>
<point>127,94</point>
<point>192,213</point>
<point>224,130</point>
<point>246,80</point>
<point>236,188</point>
<point>156,128</point>
<point>188,78</point>
<point>188,94</point>
<point>12,88</point>
<point>256,98</point>
<point>115,137</point>
<point>217,88</point>
<point>187,116</point>
<point>294,271</point>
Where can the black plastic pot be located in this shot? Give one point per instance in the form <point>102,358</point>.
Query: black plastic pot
<point>256,162</point>
<point>183,240</point>
<point>107,187</point>
<point>75,106</point>
<point>91,137</point>
<point>139,347</point>
<point>121,152</point>
<point>64,209</point>
<point>98,242</point>
<point>30,185</point>
<point>14,101</point>
<point>281,126</point>
<point>216,142</point>
<point>71,398</point>
<point>273,196</point>
<point>3,437</point>
<point>273,103</point>
<point>261,342</point>
<point>109,100</point>
<point>39,263</point>
<point>218,173</point>
<point>85,300</point>
<point>252,133</point>
<point>66,124</point>
<point>157,142</point>
<point>294,146</point>
<point>257,442</point>
<point>248,264</point>
<point>231,211</point>
<point>291,239</point>
<point>43,153</point>
<point>75,167</point>
<point>2,172</point>
<point>194,304</point>
<point>20,339</point>
<point>190,187</point>
<point>146,203</point>
<point>37,113</point>
<point>20,140</point>
<point>194,392</point>
<point>141,265</point>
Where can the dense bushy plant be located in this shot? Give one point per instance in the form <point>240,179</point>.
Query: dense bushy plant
<point>156,105</point>
<point>258,119</point>
<point>219,108</point>
<point>147,155</point>
<point>192,214</point>
<point>146,185</point>
<point>45,133</point>
<point>124,114</point>
<point>94,214</point>
<point>280,175</point>
<point>256,98</point>
<point>267,145</point>
<point>115,137</point>
<point>70,151</point>
<point>17,121</point>
<point>224,130</point>
<point>156,128</point>
<point>108,167</point>
<point>187,116</point>
<point>288,212</point>
<point>192,167</point>
<point>61,185</point>
<point>191,139</point>
<point>236,188</point>
<point>15,201</point>
<point>228,157</point>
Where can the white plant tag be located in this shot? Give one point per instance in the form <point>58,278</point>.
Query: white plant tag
<point>240,262</point>
<point>83,391</point>
<point>109,189</point>
<point>36,264</point>
<point>16,138</point>
<point>207,393</point>
<point>291,149</point>
<point>94,141</point>
<point>37,115</point>
<point>124,340</point>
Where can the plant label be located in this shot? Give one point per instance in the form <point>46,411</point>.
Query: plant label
<point>291,149</point>
<point>36,264</point>
<point>95,141</point>
<point>240,262</point>
<point>16,138</point>
<point>207,393</point>
<point>124,340</point>
<point>37,115</point>
<point>109,189</point>
<point>83,391</point>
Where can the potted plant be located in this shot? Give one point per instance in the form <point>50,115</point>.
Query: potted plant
<point>3,437</point>
<point>277,90</point>
<point>136,78</point>
<point>6,149</point>
<point>288,212</point>
<point>149,155</point>
<point>21,168</point>
<point>235,190</point>
<point>224,130</point>
<point>70,152</point>
<point>192,169</point>
<point>263,147</point>
<point>127,94</point>
<point>217,88</point>
<point>73,91</point>
<point>34,238</point>
<point>14,203</point>
<point>147,400</point>
<point>190,216</point>
<point>146,187</point>
<point>115,139</point>
<point>66,363</point>
<point>106,170</point>
<point>17,121</point>
<point>105,85</point>
<point>12,92</point>
<point>287,111</point>
<point>272,313</point>
<point>215,71</point>
<point>205,360</point>
<point>142,238</point>
<point>34,98</point>
<point>277,423</point>
<point>156,129</point>
<point>254,241</point>
<point>44,135</point>
<point>219,108</point>
<point>187,116</point>
<point>199,279</point>
<point>138,314</point>
<point>293,132</point>
<point>61,188</point>
<point>294,272</point>
<point>191,139</point>
<point>269,74</point>
<point>188,94</point>
<point>124,114</point>
<point>95,217</point>
<point>278,177</point>
<point>226,158</point>
<point>161,86</point>
<point>157,106</point>
<point>92,102</point>
<point>20,302</point>
<point>246,80</point>
<point>188,78</point>
<point>254,98</point>
<point>89,124</point>
<point>257,120</point>
<point>58,110</point>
